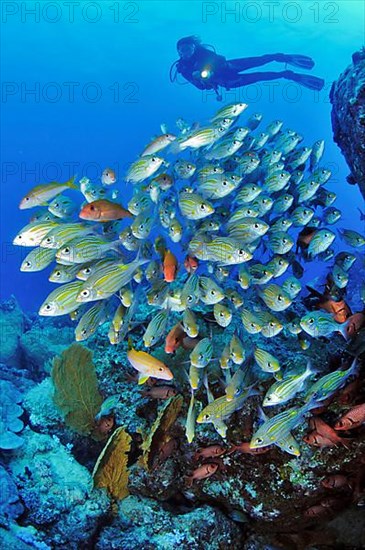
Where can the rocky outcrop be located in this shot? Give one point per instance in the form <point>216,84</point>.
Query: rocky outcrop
<point>348,117</point>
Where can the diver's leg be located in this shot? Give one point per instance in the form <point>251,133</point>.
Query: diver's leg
<point>250,62</point>
<point>308,81</point>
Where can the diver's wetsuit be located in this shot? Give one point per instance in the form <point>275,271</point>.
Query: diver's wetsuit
<point>227,74</point>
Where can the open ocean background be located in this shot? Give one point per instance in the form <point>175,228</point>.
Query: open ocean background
<point>116,56</point>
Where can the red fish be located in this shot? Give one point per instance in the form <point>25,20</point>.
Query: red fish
<point>165,450</point>
<point>245,448</point>
<point>202,472</point>
<point>105,424</point>
<point>174,339</point>
<point>159,392</point>
<point>354,418</point>
<point>169,266</point>
<point>349,393</point>
<point>322,434</point>
<point>191,263</point>
<point>103,210</point>
<point>354,323</point>
<point>316,511</point>
<point>209,452</point>
<point>335,481</point>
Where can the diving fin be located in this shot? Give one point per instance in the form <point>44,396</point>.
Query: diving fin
<point>309,81</point>
<point>301,61</point>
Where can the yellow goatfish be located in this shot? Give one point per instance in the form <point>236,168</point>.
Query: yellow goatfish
<point>147,366</point>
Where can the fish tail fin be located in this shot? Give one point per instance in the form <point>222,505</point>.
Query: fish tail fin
<point>342,328</point>
<point>71,183</point>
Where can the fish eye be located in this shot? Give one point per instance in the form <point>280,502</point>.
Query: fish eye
<point>154,159</point>
<point>256,226</point>
<point>27,264</point>
<point>85,293</point>
<point>48,240</point>
<point>27,198</point>
<point>189,166</point>
<point>291,448</point>
<point>58,273</point>
<point>83,332</point>
<point>66,250</point>
<point>311,321</point>
<point>269,398</point>
<point>271,324</point>
<point>252,325</point>
<point>212,292</point>
<point>87,270</point>
<point>224,183</point>
<point>56,205</point>
<point>160,369</point>
<point>259,440</point>
<point>202,206</point>
<point>47,307</point>
<point>206,416</point>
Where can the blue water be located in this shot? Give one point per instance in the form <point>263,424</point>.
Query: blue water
<point>84,91</point>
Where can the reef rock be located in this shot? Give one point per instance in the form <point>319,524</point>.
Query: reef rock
<point>57,492</point>
<point>42,343</point>
<point>145,523</point>
<point>11,328</point>
<point>348,117</point>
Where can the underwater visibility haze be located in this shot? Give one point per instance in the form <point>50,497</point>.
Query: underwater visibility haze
<point>182,307</point>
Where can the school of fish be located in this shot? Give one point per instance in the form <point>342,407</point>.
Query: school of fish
<point>223,220</point>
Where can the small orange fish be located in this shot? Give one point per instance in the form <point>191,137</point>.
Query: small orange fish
<point>103,210</point>
<point>160,392</point>
<point>339,310</point>
<point>202,472</point>
<point>209,452</point>
<point>191,264</point>
<point>354,418</point>
<point>169,266</point>
<point>174,338</point>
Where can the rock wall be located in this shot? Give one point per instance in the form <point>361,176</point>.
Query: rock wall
<point>348,117</point>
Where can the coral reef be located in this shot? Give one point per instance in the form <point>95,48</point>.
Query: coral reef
<point>57,492</point>
<point>144,523</point>
<point>10,411</point>
<point>348,117</point>
<point>11,328</point>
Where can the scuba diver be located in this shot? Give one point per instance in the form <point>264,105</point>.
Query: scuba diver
<point>206,70</point>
